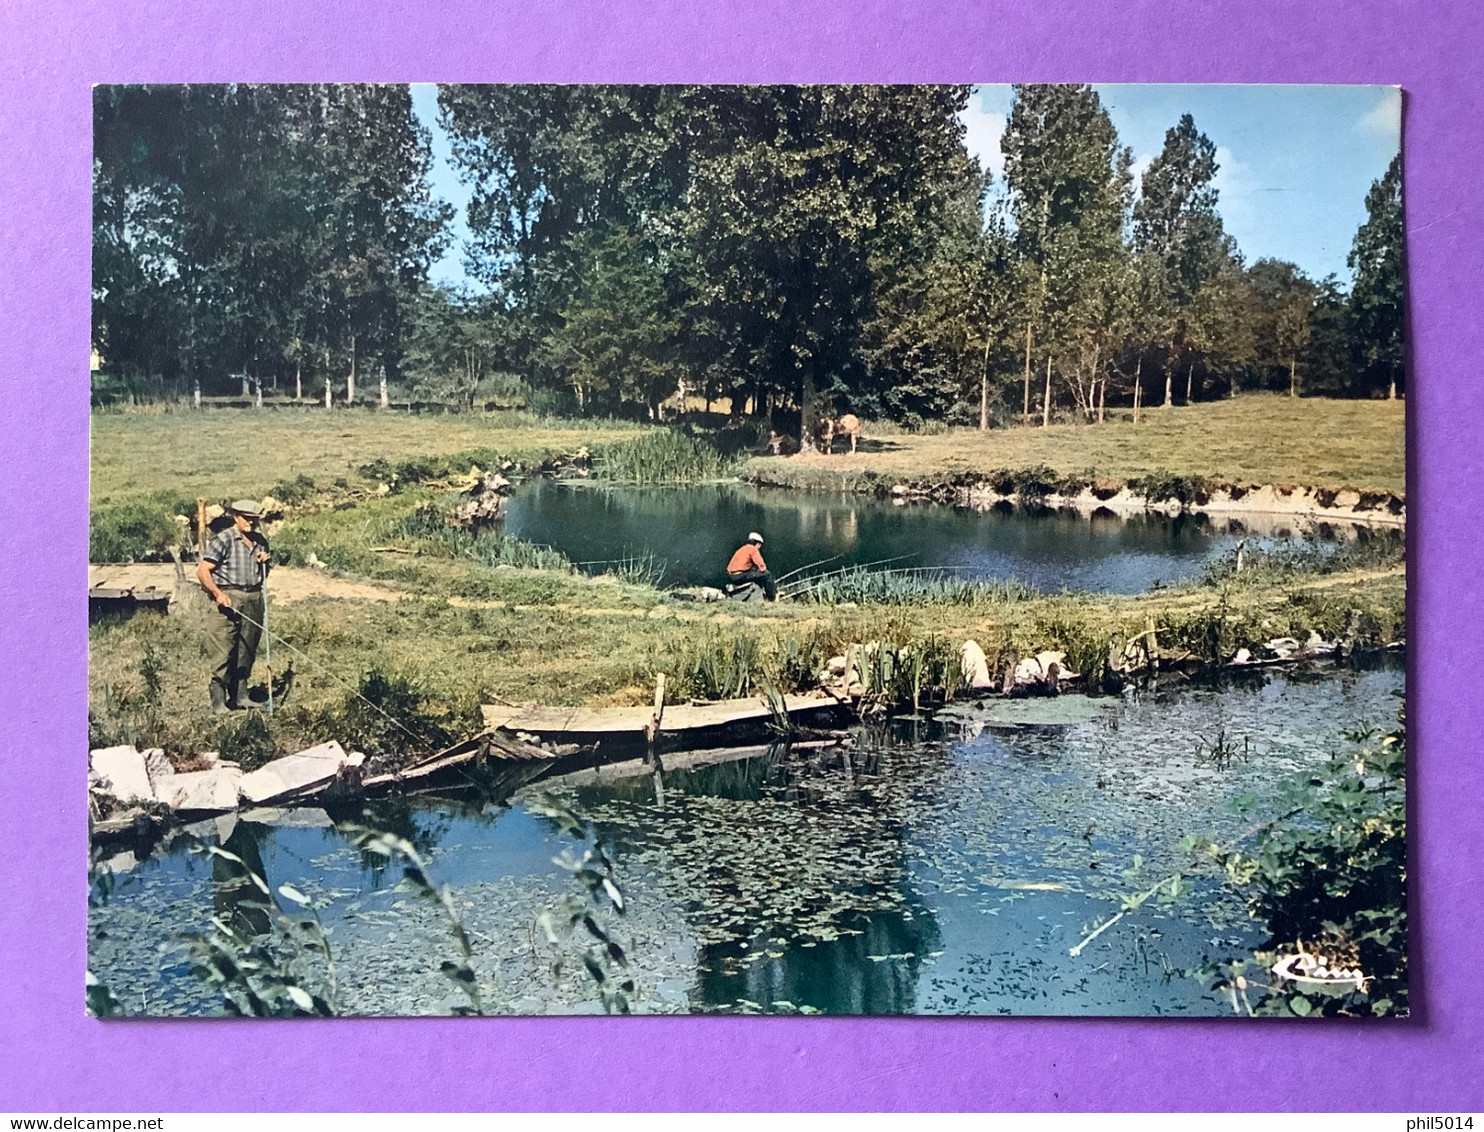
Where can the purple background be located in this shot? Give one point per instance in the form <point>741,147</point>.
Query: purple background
<point>54,1058</point>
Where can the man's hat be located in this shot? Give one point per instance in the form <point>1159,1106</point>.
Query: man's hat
<point>247,508</point>
<point>755,537</point>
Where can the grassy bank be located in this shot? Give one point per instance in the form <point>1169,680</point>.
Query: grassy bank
<point>1254,439</point>
<point>465,632</point>
<point>232,453</point>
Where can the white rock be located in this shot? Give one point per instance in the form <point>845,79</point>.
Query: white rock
<point>122,772</point>
<point>294,773</point>
<point>973,664</point>
<point>200,791</point>
<point>305,817</point>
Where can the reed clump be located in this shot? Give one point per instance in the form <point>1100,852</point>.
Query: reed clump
<point>662,458</point>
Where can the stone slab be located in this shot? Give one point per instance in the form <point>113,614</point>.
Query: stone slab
<point>293,774</point>
<point>200,791</point>
<point>121,771</point>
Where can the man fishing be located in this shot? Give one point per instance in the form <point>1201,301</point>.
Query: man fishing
<point>747,565</point>
<point>234,566</point>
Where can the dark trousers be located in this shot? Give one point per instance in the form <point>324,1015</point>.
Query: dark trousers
<point>232,637</point>
<point>761,577</point>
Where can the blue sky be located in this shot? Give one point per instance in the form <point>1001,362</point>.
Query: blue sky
<point>1296,161</point>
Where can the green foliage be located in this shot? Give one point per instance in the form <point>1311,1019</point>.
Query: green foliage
<point>265,962</point>
<point>1377,308</point>
<point>1330,876</point>
<point>304,267</point>
<point>139,528</point>
<point>246,739</point>
<point>388,716</point>
<point>717,664</point>
<point>908,586</point>
<point>459,970</point>
<point>298,490</point>
<point>662,457</point>
<point>1158,487</point>
<point>586,917</point>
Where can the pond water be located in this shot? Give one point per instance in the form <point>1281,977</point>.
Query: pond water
<point>946,865</point>
<point>692,531</point>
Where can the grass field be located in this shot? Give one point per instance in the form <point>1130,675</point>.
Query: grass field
<point>1256,438</point>
<point>233,453</point>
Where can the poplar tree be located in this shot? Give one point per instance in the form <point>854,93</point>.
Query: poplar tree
<point>1378,258</point>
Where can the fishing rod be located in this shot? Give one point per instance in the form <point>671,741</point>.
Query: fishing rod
<point>810,566</point>
<point>806,582</point>
<point>347,685</point>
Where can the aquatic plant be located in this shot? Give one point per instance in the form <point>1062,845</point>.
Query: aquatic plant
<point>603,957</point>
<point>903,586</point>
<point>716,665</point>
<point>662,457</point>
<point>432,534</point>
<point>1329,876</point>
<point>265,962</point>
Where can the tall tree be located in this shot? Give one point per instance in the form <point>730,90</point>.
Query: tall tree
<point>1378,258</point>
<point>798,196</point>
<point>1178,230</point>
<point>1070,186</point>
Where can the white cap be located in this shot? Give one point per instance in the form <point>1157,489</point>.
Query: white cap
<point>755,537</point>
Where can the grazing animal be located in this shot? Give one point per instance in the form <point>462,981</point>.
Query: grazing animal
<point>848,425</point>
<point>826,435</point>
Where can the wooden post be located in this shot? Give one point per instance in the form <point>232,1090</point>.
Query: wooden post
<point>984,391</point>
<point>1026,410</point>
<point>350,378</point>
<point>652,729</point>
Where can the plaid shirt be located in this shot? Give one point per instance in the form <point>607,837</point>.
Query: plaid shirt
<point>233,555</point>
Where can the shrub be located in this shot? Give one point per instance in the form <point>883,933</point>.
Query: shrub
<point>138,528</point>
<point>1331,874</point>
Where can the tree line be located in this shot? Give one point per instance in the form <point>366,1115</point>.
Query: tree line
<point>789,250</point>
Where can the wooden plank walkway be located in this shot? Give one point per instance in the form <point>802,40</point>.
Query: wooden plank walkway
<point>680,721</point>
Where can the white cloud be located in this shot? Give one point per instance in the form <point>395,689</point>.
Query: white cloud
<point>1385,118</point>
<point>983,131</point>
<point>1140,167</point>
<point>1237,189</point>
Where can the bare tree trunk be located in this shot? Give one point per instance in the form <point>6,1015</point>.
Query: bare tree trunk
<point>984,391</point>
<point>196,396</point>
<point>808,411</point>
<point>1390,393</point>
<point>1138,387</point>
<point>385,401</point>
<point>329,393</point>
<point>299,381</point>
<point>246,391</point>
<point>1026,411</point>
<point>1189,378</point>
<point>350,378</point>
<point>257,386</point>
<point>1046,405</point>
<point>1103,399</point>
<point>1293,377</point>
<point>1169,389</point>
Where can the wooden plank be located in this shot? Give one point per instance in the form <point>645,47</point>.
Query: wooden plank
<point>635,721</point>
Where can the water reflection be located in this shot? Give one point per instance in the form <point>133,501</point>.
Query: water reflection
<point>693,530</point>
<point>947,865</point>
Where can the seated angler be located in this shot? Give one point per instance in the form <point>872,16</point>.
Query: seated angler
<point>747,565</point>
